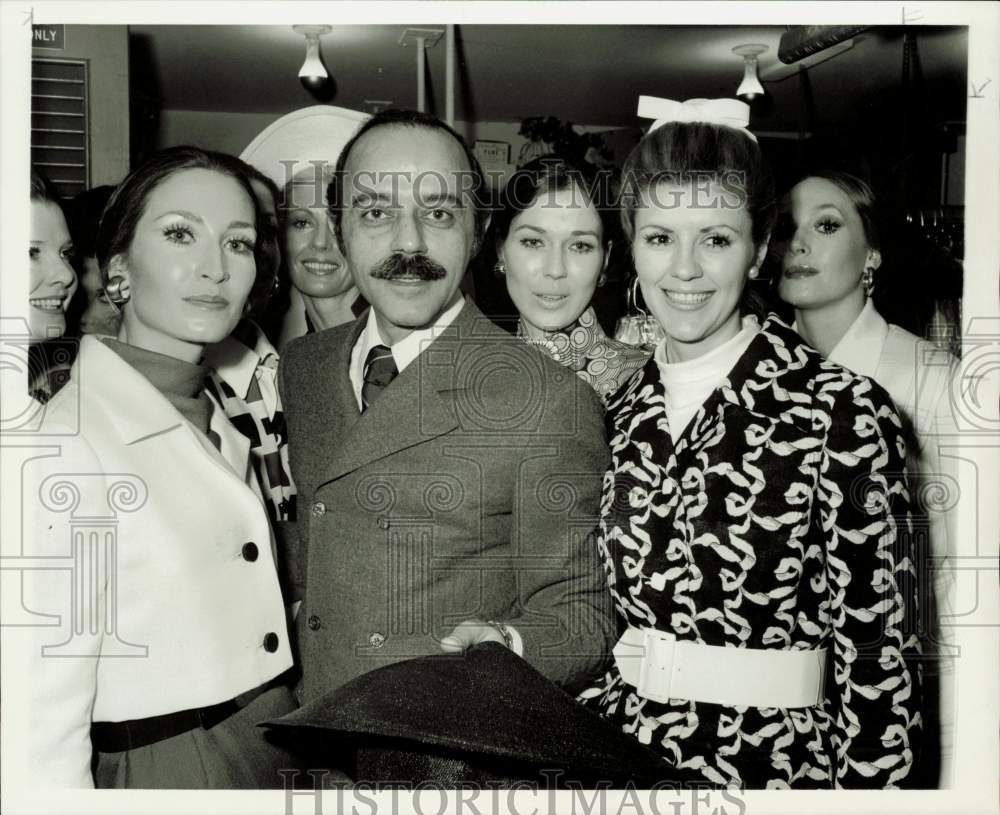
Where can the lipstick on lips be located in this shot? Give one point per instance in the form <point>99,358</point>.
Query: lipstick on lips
<point>687,299</point>
<point>212,302</point>
<point>799,271</point>
<point>320,267</point>
<point>47,303</point>
<point>550,299</point>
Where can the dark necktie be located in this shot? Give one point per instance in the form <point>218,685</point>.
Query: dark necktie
<point>380,370</point>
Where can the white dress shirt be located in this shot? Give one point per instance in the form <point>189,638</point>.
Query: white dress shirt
<point>404,351</point>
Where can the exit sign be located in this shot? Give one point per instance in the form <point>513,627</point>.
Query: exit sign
<point>52,37</point>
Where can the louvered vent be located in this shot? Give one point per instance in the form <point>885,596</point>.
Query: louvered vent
<point>59,124</point>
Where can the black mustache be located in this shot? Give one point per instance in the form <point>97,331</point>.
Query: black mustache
<point>412,266</point>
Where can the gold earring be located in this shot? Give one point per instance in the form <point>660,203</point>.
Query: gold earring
<point>117,290</point>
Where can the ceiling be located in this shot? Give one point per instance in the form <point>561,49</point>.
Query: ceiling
<point>585,74</point>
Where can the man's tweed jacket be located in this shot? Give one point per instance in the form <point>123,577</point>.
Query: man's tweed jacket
<point>469,489</point>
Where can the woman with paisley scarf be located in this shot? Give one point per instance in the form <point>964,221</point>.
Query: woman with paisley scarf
<point>755,518</point>
<point>551,239</point>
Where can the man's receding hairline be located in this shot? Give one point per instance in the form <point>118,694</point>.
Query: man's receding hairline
<point>411,126</point>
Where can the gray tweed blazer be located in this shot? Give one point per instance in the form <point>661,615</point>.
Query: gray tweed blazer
<point>469,489</point>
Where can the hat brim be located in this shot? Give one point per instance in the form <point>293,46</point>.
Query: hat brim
<point>301,139</point>
<point>485,705</point>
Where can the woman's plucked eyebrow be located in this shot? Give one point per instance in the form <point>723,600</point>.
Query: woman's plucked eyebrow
<point>540,231</point>
<point>191,216</point>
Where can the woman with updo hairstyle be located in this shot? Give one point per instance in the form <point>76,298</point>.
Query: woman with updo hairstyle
<point>829,265</point>
<point>552,237</point>
<point>754,517</point>
<point>172,646</point>
<point>51,284</point>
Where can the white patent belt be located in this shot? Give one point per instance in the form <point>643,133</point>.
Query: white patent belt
<point>662,667</point>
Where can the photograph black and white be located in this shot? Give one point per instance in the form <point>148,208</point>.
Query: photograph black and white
<point>500,407</point>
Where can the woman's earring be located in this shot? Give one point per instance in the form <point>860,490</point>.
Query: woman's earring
<point>500,268</point>
<point>602,278</point>
<point>117,290</point>
<point>868,280</point>
<point>753,273</point>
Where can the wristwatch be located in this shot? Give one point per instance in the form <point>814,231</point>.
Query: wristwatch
<point>508,638</point>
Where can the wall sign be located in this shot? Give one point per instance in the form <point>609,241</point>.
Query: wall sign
<point>492,153</point>
<point>52,37</point>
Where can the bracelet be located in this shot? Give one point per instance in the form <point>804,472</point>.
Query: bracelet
<point>508,638</point>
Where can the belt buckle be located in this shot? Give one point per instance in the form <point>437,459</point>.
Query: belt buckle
<point>656,669</point>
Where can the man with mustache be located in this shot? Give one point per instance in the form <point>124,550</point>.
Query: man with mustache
<point>449,475</point>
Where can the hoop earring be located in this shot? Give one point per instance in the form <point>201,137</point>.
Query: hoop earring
<point>118,290</point>
<point>868,280</point>
<point>499,268</point>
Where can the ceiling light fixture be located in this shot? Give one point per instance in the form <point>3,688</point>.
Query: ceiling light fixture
<point>313,74</point>
<point>750,88</point>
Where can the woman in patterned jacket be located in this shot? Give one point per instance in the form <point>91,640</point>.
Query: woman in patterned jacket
<point>755,515</point>
<point>552,248</point>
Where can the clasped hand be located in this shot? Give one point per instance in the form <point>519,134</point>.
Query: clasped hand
<point>469,633</point>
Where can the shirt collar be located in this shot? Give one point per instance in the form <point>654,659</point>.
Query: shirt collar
<point>411,346</point>
<point>236,362</point>
<point>861,346</point>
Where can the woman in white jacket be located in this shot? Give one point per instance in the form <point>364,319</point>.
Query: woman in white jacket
<point>171,634</point>
<point>828,271</point>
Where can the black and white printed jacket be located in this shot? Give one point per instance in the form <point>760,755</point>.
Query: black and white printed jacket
<point>779,519</point>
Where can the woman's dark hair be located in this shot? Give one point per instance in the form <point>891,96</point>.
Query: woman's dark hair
<point>686,152</point>
<point>83,216</point>
<point>128,203</point>
<point>263,285</point>
<point>547,174</point>
<point>860,194</point>
<point>42,189</point>
<point>253,174</point>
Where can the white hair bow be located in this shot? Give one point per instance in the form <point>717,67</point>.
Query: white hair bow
<point>727,112</point>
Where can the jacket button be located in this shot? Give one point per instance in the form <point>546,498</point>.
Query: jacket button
<point>270,642</point>
<point>318,509</point>
<point>383,522</point>
<point>250,552</point>
<point>313,623</point>
<point>376,640</point>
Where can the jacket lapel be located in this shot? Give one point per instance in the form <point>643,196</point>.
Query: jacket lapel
<point>416,407</point>
<point>638,419</point>
<point>766,365</point>
<point>112,382</point>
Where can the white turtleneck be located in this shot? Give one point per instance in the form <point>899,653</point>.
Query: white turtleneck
<point>689,384</point>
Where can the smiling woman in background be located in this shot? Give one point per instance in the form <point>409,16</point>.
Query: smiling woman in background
<point>552,242</point>
<point>316,268</point>
<point>753,518</point>
<point>828,270</point>
<point>188,589</point>
<point>51,283</point>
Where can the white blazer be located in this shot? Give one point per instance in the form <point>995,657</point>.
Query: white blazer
<point>163,575</point>
<point>919,377</point>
